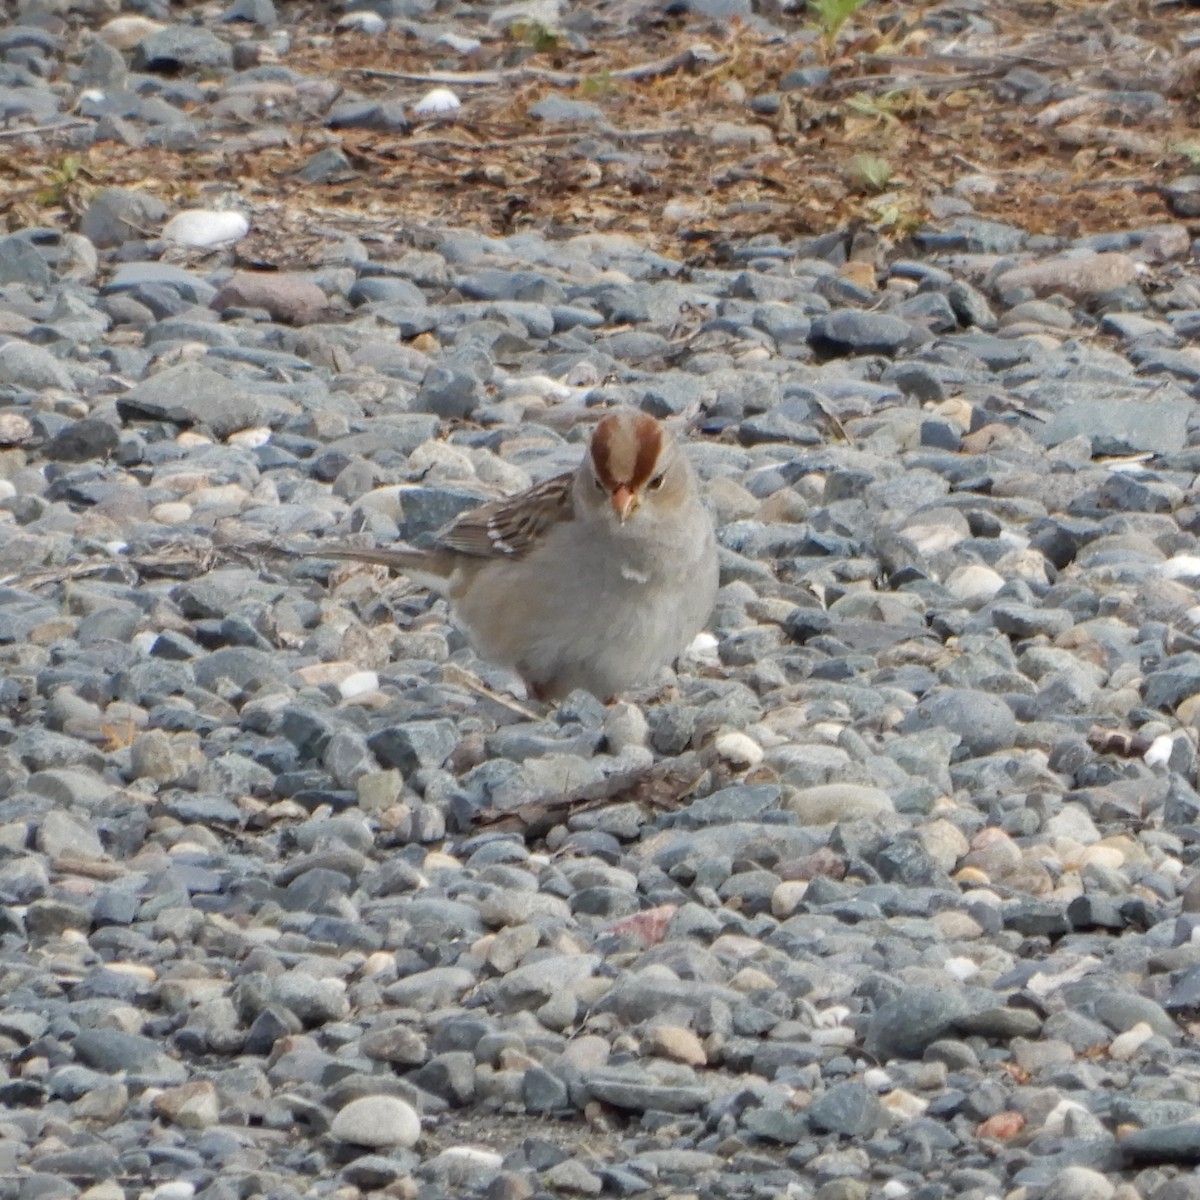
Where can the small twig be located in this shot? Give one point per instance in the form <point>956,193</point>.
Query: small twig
<point>543,139</point>
<point>453,673</point>
<point>70,124</point>
<point>663,785</point>
<point>62,574</point>
<point>91,868</point>
<point>639,73</point>
<point>836,422</point>
<point>458,78</point>
<point>926,81</point>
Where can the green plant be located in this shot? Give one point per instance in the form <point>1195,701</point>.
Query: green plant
<point>63,180</point>
<point>598,86</point>
<point>888,107</point>
<point>1189,150</point>
<point>830,16</point>
<point>896,215</point>
<point>541,39</point>
<point>869,172</point>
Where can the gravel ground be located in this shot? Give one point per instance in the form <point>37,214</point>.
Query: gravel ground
<point>889,891</point>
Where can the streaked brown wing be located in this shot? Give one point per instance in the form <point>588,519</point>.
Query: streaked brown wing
<point>509,528</point>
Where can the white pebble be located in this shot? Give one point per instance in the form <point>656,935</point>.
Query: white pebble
<point>1181,566</point>
<point>829,1018</point>
<point>378,1122</point>
<point>460,1166</point>
<point>842,1036</point>
<point>437,102</point>
<point>533,385</point>
<point>1159,753</point>
<point>878,1080</point>
<point>703,648</point>
<point>739,749</point>
<point>171,512</point>
<point>893,1190</point>
<point>143,642</point>
<point>126,32</point>
<point>205,227</point>
<point>1125,1045</point>
<point>905,1104</point>
<point>358,684</point>
<point>960,968</point>
<point>460,44</point>
<point>974,583</point>
<point>175,1189</point>
<point>250,439</point>
<point>363,22</point>
<point>625,728</point>
<point>787,897</point>
<point>1059,1116</point>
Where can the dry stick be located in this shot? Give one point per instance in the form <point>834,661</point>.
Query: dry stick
<point>61,574</point>
<point>648,70</point>
<point>962,62</point>
<point>12,133</point>
<point>928,82</point>
<point>837,423</point>
<point>537,815</point>
<point>545,139</point>
<point>453,673</point>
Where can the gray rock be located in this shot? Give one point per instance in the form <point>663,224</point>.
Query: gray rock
<point>32,367</point>
<point>326,166</point>
<point>852,332</point>
<point>388,117</point>
<point>542,1092</point>
<point>905,1026</point>
<point>983,723</point>
<point>60,835</point>
<point>81,440</point>
<point>560,110</point>
<point>182,47</point>
<point>449,392</point>
<point>111,1051</point>
<point>849,1109</point>
<point>414,744</point>
<point>1164,1144</point>
<point>115,215</point>
<point>285,295</point>
<point>1160,426</point>
<point>191,394</point>
<point>631,1089</point>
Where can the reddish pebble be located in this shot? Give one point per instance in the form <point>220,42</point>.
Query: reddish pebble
<point>650,926</point>
<point>1002,1126</point>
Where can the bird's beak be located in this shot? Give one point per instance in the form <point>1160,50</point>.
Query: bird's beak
<point>624,502</point>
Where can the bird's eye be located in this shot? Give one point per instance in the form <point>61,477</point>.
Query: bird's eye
<point>656,483</point>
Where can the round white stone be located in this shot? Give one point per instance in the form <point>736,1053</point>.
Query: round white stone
<point>358,684</point>
<point>363,22</point>
<point>377,1122</point>
<point>205,227</point>
<point>739,749</point>
<point>437,102</point>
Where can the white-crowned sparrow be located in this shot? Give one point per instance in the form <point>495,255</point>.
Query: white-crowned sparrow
<point>593,579</point>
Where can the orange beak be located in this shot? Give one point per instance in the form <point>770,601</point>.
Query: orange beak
<point>624,501</point>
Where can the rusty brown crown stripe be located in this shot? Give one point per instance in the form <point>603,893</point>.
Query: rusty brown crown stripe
<point>626,454</point>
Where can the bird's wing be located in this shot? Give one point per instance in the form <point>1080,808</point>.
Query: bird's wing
<point>511,527</point>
